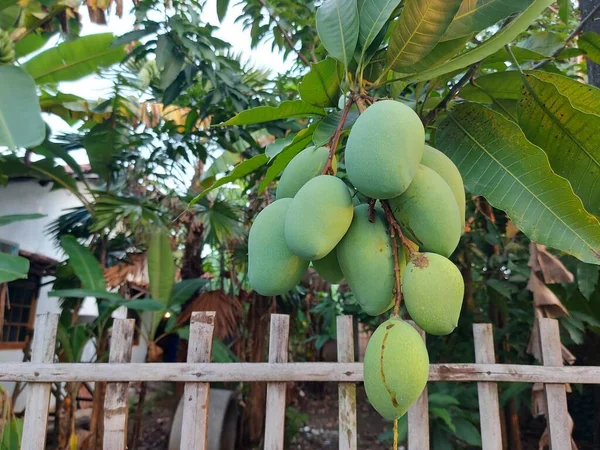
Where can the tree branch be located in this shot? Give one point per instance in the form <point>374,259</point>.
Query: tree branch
<point>285,35</point>
<point>335,138</point>
<point>432,115</point>
<point>572,36</point>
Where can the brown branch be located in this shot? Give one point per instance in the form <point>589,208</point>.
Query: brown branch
<point>285,35</point>
<point>335,137</point>
<point>372,202</point>
<point>572,36</point>
<point>451,94</point>
<point>394,223</point>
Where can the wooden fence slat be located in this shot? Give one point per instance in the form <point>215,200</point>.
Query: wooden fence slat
<point>278,353</point>
<point>35,424</point>
<point>295,371</point>
<point>556,394</point>
<point>418,415</point>
<point>194,429</point>
<point>346,391</point>
<point>489,407</point>
<point>116,402</point>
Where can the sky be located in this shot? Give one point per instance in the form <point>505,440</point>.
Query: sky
<point>95,87</point>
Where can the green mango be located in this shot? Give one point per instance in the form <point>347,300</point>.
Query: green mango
<point>272,268</point>
<point>366,258</point>
<point>428,213</point>
<point>436,160</point>
<point>329,268</point>
<point>384,149</point>
<point>306,165</point>
<point>396,368</point>
<point>318,217</point>
<point>433,289</point>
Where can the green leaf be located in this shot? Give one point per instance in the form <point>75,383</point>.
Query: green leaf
<point>328,124</point>
<point>564,10</point>
<point>31,43</point>
<point>161,266</point>
<point>543,42</point>
<point>492,45</point>
<point>53,150</point>
<point>444,400</point>
<point>183,290</point>
<point>373,15</point>
<point>84,263</point>
<point>503,288</point>
<point>321,86</point>
<point>467,432</point>
<point>239,171</point>
<point>21,123</point>
<point>569,137</point>
<point>521,54</point>
<point>476,15</point>
<point>73,60</point>
<point>441,53</point>
<point>82,293</point>
<point>498,162</point>
<point>301,141</point>
<point>589,42</point>
<point>143,304</point>
<point>337,25</point>
<point>6,3</point>
<point>12,433</point>
<point>222,6</point>
<point>418,30</point>
<point>285,110</point>
<point>443,414</point>
<point>587,279</point>
<point>277,147</point>
<point>12,267</point>
<point>5,220</point>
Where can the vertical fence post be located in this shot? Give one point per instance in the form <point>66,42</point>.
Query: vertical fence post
<point>557,413</point>
<point>278,353</point>
<point>489,407</point>
<point>346,391</point>
<point>418,416</point>
<point>116,403</point>
<point>196,396</point>
<point>35,424</point>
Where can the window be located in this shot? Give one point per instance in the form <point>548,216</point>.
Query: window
<point>19,312</point>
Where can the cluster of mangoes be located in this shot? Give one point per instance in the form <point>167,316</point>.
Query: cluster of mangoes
<point>317,218</point>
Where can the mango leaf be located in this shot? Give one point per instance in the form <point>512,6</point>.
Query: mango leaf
<point>587,279</point>
<point>476,15</point>
<point>589,42</point>
<point>275,148</point>
<point>12,433</point>
<point>498,162</point>
<point>12,267</point>
<point>492,45</point>
<point>5,220</point>
<point>222,6</point>
<point>82,293</point>
<point>567,135</point>
<point>301,141</point>
<point>183,290</point>
<point>337,25</point>
<point>239,171</point>
<point>584,97</point>
<point>161,266</point>
<point>321,86</point>
<point>84,263</point>
<point>373,15</point>
<point>327,126</point>
<point>285,110</point>
<point>521,54</point>
<point>76,59</point>
<point>441,53</point>
<point>467,432</point>
<point>543,42</point>
<point>21,123</point>
<point>6,3</point>
<point>418,30</point>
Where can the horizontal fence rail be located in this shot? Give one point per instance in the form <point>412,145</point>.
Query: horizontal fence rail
<point>279,372</point>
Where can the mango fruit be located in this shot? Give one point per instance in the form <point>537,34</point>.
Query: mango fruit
<point>433,290</point>
<point>440,163</point>
<point>318,217</point>
<point>367,262</point>
<point>306,165</point>
<point>428,213</point>
<point>329,268</point>
<point>272,268</point>
<point>396,368</point>
<point>384,149</point>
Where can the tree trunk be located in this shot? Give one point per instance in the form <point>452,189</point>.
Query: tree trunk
<point>586,7</point>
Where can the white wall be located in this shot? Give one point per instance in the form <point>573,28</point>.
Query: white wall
<point>27,197</point>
